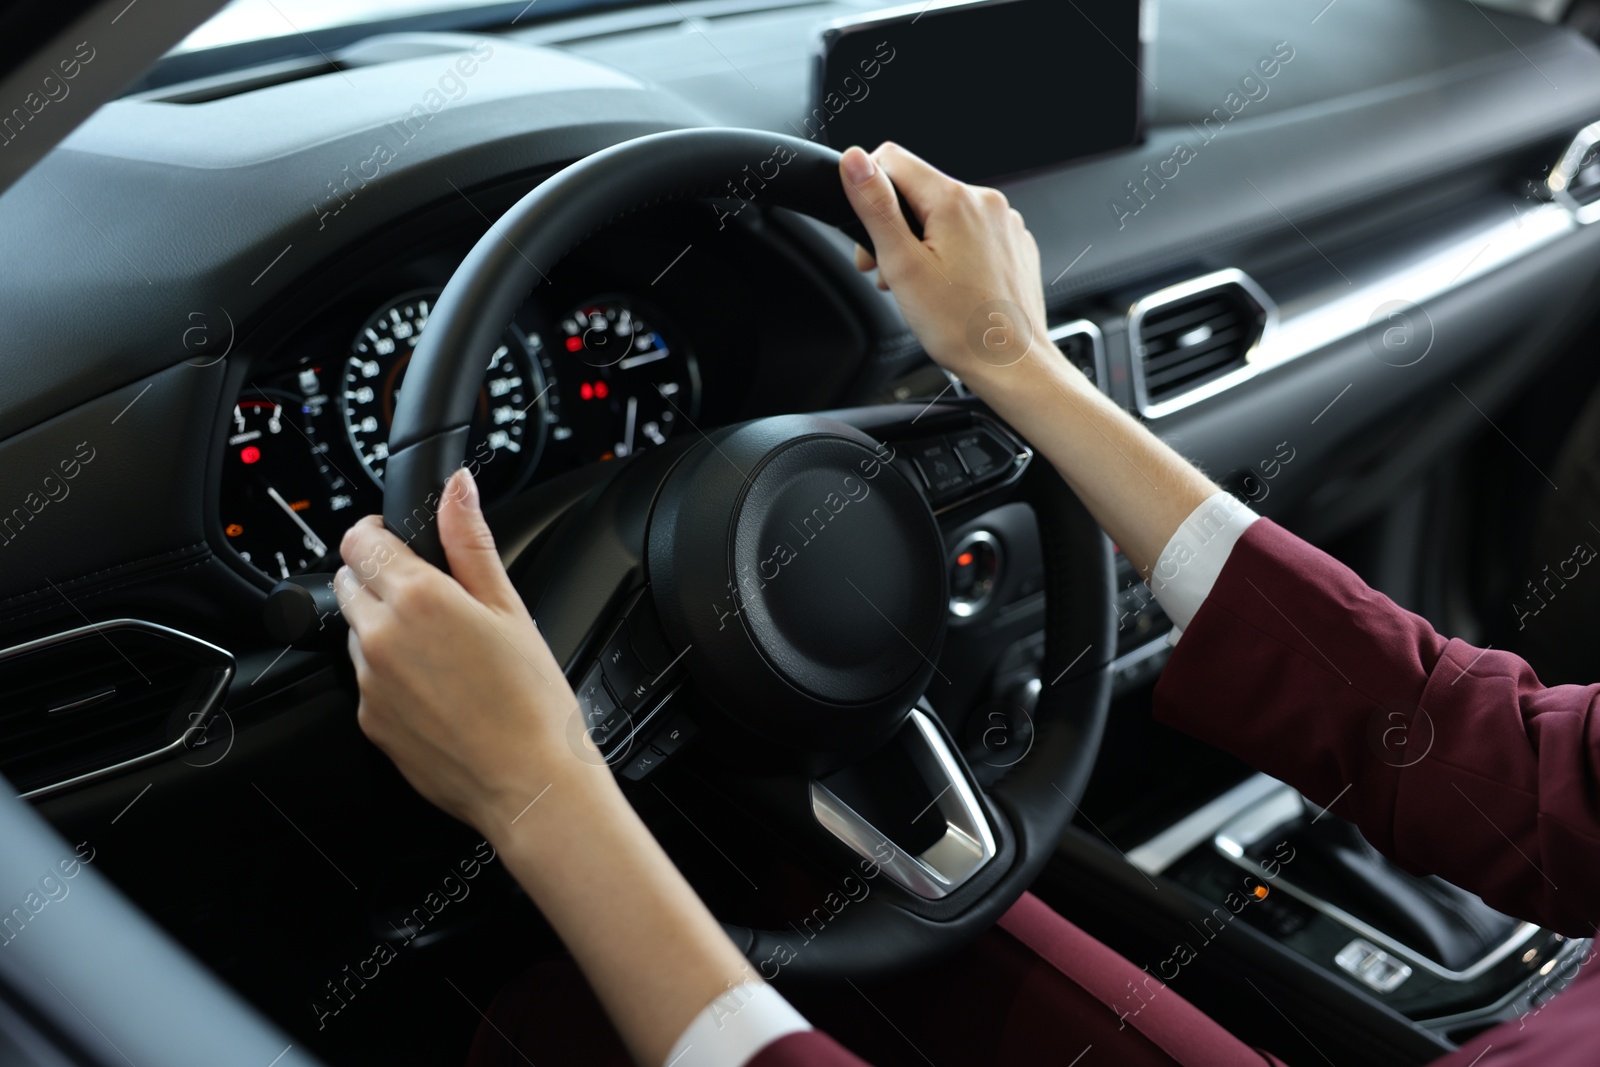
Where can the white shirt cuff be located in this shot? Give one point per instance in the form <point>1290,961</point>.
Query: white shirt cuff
<point>734,1027</point>
<point>1193,559</point>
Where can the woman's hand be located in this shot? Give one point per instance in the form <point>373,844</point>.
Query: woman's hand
<point>970,287</point>
<point>971,291</point>
<point>457,685</point>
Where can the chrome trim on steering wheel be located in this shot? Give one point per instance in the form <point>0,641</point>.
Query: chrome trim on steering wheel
<point>968,843</point>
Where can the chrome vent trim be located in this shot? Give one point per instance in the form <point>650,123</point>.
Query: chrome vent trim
<point>207,703</point>
<point>1574,185</point>
<point>1217,281</point>
<point>1097,347</point>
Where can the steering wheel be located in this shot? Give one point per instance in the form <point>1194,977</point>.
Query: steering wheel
<point>778,591</point>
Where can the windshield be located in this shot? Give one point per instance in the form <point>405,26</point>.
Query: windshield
<point>253,20</point>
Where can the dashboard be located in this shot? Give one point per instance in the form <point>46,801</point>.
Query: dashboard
<point>569,384</point>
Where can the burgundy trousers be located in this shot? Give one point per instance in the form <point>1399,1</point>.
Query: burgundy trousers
<point>1034,990</point>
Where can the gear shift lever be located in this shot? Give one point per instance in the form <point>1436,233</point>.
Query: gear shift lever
<point>1334,862</point>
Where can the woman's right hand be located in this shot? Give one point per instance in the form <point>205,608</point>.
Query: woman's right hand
<point>970,287</point>
<point>971,290</point>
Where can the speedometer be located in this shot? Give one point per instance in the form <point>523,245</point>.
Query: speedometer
<point>508,420</point>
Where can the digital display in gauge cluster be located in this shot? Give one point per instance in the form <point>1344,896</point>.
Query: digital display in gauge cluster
<point>307,445</point>
<point>634,386</point>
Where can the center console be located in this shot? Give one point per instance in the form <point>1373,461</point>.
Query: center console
<point>1310,882</point>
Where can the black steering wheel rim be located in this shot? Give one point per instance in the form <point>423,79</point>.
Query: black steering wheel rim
<point>433,415</point>
<point>1036,800</point>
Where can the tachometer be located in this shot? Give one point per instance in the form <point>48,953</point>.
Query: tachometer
<point>631,387</point>
<point>275,505</point>
<point>508,423</point>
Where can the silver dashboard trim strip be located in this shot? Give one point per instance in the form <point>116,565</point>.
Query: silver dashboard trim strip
<point>1195,829</point>
<point>1428,277</point>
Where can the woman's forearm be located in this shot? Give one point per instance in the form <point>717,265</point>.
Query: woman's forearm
<point>1135,485</point>
<point>652,951</point>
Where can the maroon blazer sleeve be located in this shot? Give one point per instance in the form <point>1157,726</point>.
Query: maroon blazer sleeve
<point>1453,760</point>
<point>809,1048</point>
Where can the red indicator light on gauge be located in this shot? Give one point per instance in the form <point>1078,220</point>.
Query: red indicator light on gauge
<point>586,391</point>
<point>601,390</point>
<point>249,454</point>
<point>574,344</point>
<point>594,390</point>
<point>965,559</point>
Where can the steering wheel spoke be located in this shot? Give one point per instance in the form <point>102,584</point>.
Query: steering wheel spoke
<point>932,853</point>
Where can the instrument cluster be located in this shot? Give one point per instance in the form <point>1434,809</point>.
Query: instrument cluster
<point>307,440</point>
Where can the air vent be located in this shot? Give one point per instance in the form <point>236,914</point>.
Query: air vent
<point>1193,336</point>
<point>102,698</point>
<point>1575,179</point>
<point>1080,342</point>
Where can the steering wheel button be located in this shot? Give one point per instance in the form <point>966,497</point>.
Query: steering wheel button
<point>595,703</point>
<point>983,454</point>
<point>612,729</point>
<point>941,471</point>
<point>673,735</point>
<point>645,761</point>
<point>625,673</point>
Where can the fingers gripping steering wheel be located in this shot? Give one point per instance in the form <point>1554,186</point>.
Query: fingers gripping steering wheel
<point>812,681</point>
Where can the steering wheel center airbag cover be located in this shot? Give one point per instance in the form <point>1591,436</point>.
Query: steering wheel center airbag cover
<point>805,573</point>
<point>833,568</point>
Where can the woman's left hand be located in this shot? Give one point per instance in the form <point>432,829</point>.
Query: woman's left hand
<point>458,687</point>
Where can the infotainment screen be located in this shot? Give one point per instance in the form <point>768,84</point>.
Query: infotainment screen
<point>983,88</point>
